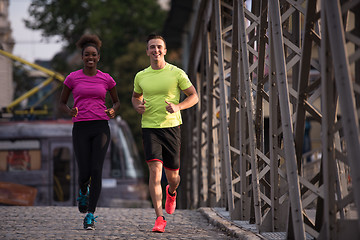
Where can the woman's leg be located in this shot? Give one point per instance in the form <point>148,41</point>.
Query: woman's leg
<point>100,144</point>
<point>82,150</point>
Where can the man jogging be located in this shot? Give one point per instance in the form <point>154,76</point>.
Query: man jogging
<point>156,97</point>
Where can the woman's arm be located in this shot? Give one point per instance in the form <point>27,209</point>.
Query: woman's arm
<point>65,93</point>
<point>116,103</point>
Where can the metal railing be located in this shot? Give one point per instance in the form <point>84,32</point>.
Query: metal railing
<point>244,142</point>
<point>52,76</point>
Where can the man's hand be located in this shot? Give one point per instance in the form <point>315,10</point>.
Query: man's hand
<point>141,107</point>
<point>171,108</point>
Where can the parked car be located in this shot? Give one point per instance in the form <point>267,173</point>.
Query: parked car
<point>39,154</point>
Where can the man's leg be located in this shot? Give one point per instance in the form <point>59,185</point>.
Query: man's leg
<point>173,179</point>
<point>155,171</point>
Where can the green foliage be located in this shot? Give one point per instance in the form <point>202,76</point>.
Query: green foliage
<point>20,79</point>
<point>122,25</point>
<point>116,22</point>
<point>127,66</point>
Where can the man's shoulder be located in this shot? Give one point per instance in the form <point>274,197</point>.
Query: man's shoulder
<point>174,68</point>
<point>142,72</point>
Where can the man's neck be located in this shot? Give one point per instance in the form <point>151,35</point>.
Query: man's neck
<point>157,65</point>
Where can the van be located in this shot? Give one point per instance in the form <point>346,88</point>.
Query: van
<point>39,154</point>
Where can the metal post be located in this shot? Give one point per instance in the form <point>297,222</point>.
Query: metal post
<point>346,94</point>
<point>329,102</point>
<point>250,114</point>
<point>223,110</point>
<point>291,165</point>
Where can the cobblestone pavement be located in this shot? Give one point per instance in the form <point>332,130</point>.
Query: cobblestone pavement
<point>112,223</point>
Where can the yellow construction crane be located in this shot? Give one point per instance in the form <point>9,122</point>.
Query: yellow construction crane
<point>51,77</point>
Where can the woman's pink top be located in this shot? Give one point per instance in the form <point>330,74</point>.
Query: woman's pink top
<point>89,94</point>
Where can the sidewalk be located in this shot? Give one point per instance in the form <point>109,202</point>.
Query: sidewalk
<point>240,229</point>
<point>114,223</point>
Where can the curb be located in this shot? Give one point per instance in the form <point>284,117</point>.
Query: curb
<point>228,226</point>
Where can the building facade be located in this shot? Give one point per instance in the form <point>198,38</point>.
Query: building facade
<point>6,65</point>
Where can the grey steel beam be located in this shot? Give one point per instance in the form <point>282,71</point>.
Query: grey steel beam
<point>286,121</point>
<point>223,109</point>
<point>277,222</point>
<point>231,143</point>
<point>329,102</point>
<point>304,79</point>
<point>234,129</point>
<point>250,114</point>
<point>346,94</point>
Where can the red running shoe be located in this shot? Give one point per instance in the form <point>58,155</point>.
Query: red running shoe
<point>160,225</point>
<point>170,203</point>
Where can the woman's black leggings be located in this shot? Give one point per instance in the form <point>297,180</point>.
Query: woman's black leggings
<point>91,140</point>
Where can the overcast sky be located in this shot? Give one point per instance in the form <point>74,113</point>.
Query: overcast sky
<point>29,44</point>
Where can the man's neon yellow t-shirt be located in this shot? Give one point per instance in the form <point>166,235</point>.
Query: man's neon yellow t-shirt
<point>158,86</point>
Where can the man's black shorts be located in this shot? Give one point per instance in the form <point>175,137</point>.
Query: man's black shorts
<point>163,144</point>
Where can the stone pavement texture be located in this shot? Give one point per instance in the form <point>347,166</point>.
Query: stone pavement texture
<point>114,223</point>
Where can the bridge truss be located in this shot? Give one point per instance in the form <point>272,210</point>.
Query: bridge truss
<point>262,73</point>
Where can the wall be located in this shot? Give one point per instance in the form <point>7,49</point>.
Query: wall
<point>6,65</point>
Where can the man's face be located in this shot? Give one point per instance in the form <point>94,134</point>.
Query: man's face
<point>156,49</point>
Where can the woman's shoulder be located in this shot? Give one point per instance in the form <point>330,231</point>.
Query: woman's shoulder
<point>75,73</point>
<point>103,74</point>
<point>105,77</point>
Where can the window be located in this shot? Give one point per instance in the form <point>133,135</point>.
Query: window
<point>116,156</point>
<point>124,156</point>
<point>62,177</point>
<point>20,155</point>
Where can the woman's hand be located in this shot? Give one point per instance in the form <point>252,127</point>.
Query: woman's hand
<point>110,112</point>
<point>74,111</point>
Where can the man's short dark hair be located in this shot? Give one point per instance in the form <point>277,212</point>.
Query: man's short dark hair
<point>155,36</point>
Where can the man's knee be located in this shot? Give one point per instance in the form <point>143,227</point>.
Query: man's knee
<point>155,171</point>
<point>173,178</point>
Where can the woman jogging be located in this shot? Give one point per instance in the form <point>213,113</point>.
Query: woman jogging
<point>91,133</point>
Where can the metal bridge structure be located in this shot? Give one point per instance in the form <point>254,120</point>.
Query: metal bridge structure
<point>52,77</point>
<point>262,71</point>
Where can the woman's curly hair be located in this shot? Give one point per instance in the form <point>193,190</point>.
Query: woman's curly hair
<point>89,40</point>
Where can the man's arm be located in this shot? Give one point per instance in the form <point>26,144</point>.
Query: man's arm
<point>138,103</point>
<point>190,100</point>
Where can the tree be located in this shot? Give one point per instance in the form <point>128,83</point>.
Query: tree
<point>116,22</point>
<point>121,25</point>
<point>128,65</point>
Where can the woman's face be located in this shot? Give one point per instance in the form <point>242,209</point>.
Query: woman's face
<point>90,57</point>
